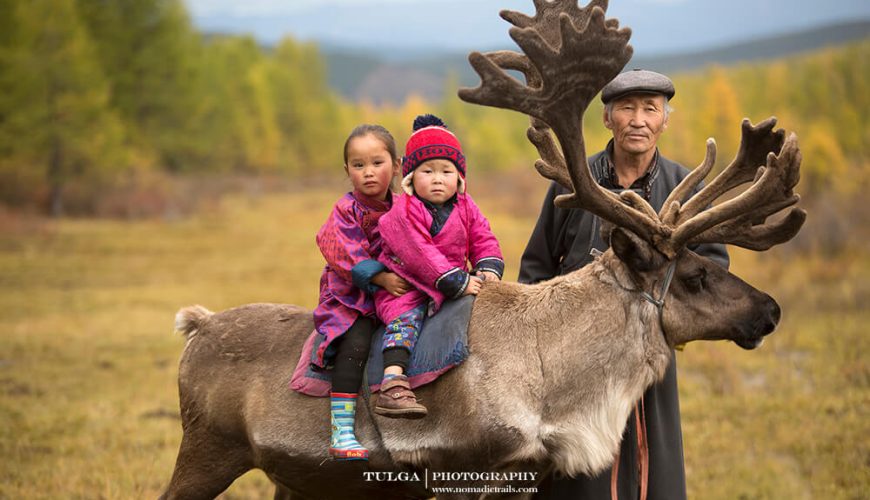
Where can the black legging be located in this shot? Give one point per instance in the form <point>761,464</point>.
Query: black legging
<point>397,356</point>
<point>352,352</point>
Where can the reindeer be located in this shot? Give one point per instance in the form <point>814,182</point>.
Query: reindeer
<point>514,405</point>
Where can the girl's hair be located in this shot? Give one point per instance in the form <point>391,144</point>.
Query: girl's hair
<point>376,130</point>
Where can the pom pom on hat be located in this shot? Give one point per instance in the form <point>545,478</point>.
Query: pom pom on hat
<point>427,120</point>
<point>431,140</point>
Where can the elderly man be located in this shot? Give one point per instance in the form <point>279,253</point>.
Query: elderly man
<point>636,112</point>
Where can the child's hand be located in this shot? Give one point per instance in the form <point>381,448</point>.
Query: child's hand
<point>487,276</point>
<point>392,283</point>
<point>473,286</point>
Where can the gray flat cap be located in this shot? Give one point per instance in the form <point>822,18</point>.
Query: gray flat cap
<point>638,80</point>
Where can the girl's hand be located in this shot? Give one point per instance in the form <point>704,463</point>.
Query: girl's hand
<point>392,283</point>
<point>473,286</point>
<point>487,276</point>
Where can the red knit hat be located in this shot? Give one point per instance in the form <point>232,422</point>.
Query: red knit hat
<point>431,140</point>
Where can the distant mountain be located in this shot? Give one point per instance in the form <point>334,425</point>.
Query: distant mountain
<point>366,75</point>
<point>766,48</point>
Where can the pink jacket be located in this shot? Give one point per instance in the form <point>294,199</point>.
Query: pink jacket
<point>409,250</point>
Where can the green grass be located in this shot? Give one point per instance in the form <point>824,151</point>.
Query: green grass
<point>88,361</point>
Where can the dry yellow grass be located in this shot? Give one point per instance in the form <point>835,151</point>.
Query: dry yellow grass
<point>88,361</point>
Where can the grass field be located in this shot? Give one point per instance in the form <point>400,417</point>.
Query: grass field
<point>88,360</point>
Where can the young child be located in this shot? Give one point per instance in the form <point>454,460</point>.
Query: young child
<point>350,243</point>
<point>433,230</point>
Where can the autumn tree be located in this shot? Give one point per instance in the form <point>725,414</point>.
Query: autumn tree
<point>720,114</point>
<point>239,119</point>
<point>56,125</point>
<point>151,54</point>
<point>311,120</point>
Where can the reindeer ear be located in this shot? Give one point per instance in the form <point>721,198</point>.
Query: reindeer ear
<point>637,254</point>
<point>606,228</point>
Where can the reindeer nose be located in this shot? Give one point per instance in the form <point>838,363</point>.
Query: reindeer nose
<point>772,318</point>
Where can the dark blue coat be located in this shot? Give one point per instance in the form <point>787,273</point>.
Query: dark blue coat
<point>561,243</point>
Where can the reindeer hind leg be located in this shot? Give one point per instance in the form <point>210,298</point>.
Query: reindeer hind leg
<point>283,493</point>
<point>206,466</point>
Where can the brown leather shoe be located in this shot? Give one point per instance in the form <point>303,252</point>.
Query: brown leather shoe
<point>396,400</point>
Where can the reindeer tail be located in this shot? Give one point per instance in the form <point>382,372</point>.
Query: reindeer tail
<point>188,320</point>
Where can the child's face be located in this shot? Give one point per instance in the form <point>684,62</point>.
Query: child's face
<point>369,166</point>
<point>436,180</point>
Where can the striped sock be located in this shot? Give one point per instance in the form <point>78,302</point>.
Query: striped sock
<point>390,376</point>
<point>343,444</point>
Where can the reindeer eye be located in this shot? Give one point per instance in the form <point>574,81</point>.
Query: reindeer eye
<point>696,282</point>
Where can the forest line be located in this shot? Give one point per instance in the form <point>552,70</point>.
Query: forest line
<point>97,97</point>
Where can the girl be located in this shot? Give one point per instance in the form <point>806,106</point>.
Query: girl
<point>428,238</point>
<point>350,243</point>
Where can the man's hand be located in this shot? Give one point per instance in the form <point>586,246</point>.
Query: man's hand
<point>487,276</point>
<point>392,283</point>
<point>473,286</point>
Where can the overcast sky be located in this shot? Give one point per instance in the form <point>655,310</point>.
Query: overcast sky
<point>659,26</point>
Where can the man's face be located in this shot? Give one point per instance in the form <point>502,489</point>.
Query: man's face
<point>637,121</point>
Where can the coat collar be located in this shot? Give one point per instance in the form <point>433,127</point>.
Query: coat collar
<point>642,184</point>
<point>372,203</point>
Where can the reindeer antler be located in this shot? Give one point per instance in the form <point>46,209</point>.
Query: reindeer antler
<point>741,220</point>
<point>570,53</point>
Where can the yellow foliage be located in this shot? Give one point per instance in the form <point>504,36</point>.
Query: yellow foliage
<point>720,114</point>
<point>824,165</point>
<point>263,143</point>
<point>414,105</point>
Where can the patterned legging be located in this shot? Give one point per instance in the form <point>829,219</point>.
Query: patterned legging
<point>403,331</point>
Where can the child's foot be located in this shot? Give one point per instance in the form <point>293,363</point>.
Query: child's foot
<point>343,444</point>
<point>396,400</point>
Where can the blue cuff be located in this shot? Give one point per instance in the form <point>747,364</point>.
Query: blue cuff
<point>452,283</point>
<point>491,264</point>
<point>364,272</point>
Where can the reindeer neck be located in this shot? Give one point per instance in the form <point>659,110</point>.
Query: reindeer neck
<point>615,353</point>
<point>643,316</point>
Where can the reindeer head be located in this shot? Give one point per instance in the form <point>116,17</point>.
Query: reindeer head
<point>569,54</point>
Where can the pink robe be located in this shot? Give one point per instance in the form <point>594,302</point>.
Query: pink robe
<point>349,236</point>
<point>410,251</point>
